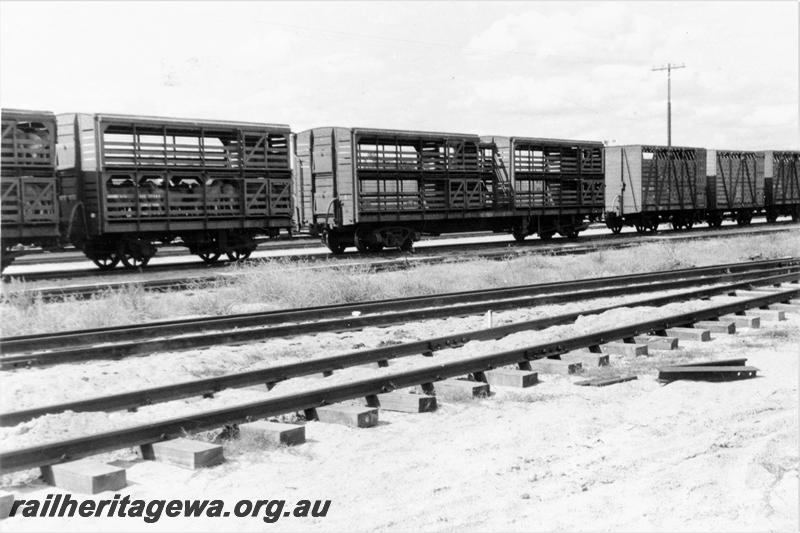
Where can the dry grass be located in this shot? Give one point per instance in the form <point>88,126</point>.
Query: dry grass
<point>281,284</point>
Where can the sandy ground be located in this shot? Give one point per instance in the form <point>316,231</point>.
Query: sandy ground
<point>634,456</point>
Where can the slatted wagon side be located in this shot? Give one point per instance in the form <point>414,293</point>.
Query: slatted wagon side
<point>373,188</point>
<point>647,185</point>
<point>557,184</point>
<point>782,184</point>
<point>735,186</point>
<point>28,181</point>
<point>134,181</point>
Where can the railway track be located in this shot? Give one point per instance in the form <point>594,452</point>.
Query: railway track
<point>71,254</point>
<point>425,376</point>
<point>123,341</point>
<point>375,265</point>
<point>438,252</point>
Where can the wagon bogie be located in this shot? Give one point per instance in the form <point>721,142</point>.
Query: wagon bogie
<point>211,245</point>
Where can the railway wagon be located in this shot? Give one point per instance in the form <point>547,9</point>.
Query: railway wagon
<point>734,186</point>
<point>28,181</point>
<point>129,182</point>
<point>557,184</point>
<point>782,184</point>
<point>373,188</point>
<point>647,185</point>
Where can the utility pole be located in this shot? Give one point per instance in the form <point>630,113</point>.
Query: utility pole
<point>669,68</point>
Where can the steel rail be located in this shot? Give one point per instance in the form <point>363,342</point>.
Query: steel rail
<point>161,285</point>
<point>272,375</point>
<point>87,291</point>
<point>49,294</point>
<point>94,289</point>
<point>79,447</point>
<point>26,343</point>
<point>240,336</point>
<point>504,249</point>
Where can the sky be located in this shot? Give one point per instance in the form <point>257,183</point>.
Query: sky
<point>576,70</point>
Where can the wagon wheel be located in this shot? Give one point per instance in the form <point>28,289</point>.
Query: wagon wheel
<point>546,235</point>
<point>518,233</point>
<point>333,243</point>
<point>376,247</point>
<point>132,262</point>
<point>641,228</point>
<point>407,245</point>
<point>106,262</point>
<point>209,257</point>
<point>570,233</point>
<point>653,226</point>
<point>689,224</point>
<point>6,259</point>
<point>615,227</point>
<point>238,255</point>
<point>361,244</point>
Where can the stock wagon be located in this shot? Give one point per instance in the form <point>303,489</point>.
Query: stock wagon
<point>384,188</point>
<point>557,184</point>
<point>782,184</point>
<point>734,185</point>
<point>129,182</point>
<point>647,185</point>
<point>28,181</point>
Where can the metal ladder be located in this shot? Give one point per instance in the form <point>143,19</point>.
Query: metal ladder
<point>505,192</point>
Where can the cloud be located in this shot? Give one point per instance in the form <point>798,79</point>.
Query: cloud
<point>551,69</point>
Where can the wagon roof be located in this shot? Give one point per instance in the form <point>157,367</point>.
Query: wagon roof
<point>186,122</point>
<point>656,146</point>
<point>781,151</point>
<point>542,140</point>
<point>403,133</point>
<point>28,114</point>
<point>733,151</point>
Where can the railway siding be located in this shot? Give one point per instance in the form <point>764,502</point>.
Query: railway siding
<point>42,455</point>
<point>35,350</point>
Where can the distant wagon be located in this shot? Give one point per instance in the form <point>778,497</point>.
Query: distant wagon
<point>128,182</point>
<point>29,188</point>
<point>735,186</point>
<point>557,184</point>
<point>647,185</point>
<point>782,184</point>
<point>372,188</point>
